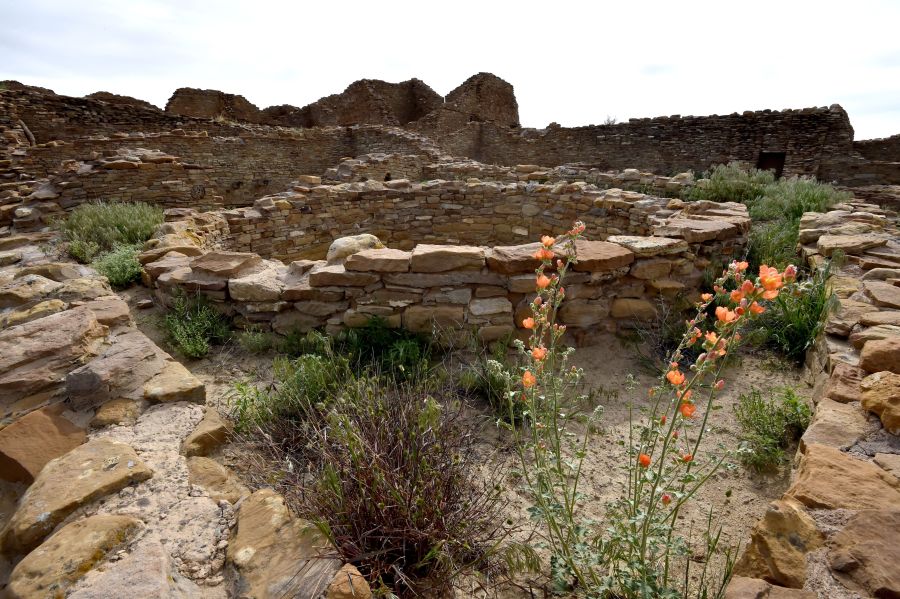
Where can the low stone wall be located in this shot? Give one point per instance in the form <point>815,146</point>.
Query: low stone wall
<point>303,222</point>
<point>836,531</point>
<point>483,290</point>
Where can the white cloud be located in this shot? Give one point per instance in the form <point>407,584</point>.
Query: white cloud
<point>571,62</point>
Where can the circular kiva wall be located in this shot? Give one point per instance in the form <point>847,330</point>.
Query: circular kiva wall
<point>480,287</point>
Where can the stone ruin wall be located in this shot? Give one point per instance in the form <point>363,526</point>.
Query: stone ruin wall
<point>884,150</point>
<point>483,288</point>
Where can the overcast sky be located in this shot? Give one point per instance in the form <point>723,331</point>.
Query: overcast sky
<point>571,62</point>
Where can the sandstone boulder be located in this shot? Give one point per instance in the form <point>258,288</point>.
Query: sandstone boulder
<point>52,568</point>
<point>637,309</point>
<point>29,443</point>
<point>175,383</point>
<point>881,395</point>
<point>29,312</point>
<point>830,479</point>
<point>379,260</point>
<point>111,311</point>
<point>25,290</point>
<point>276,554</point>
<point>227,265</point>
<point>644,247</point>
<point>881,355</point>
<point>754,588</point>
<point>116,411</point>
<point>883,294</point>
<point>835,424</point>
<point>440,258</point>
<point>88,472</point>
<point>424,319</point>
<point>262,286</point>
<point>220,482</point>
<point>36,355</point>
<point>883,331</point>
<point>594,256</point>
<point>849,244</point>
<point>211,432</point>
<point>866,552</point>
<point>843,385</point>
<point>348,583</point>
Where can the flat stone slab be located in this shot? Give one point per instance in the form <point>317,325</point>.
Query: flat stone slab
<point>650,246</point>
<point>849,244</point>
<point>883,294</point>
<point>696,230</point>
<point>441,258</point>
<point>594,256</point>
<point>379,260</point>
<point>866,552</point>
<point>88,472</point>
<point>335,275</point>
<point>30,442</point>
<point>835,424</point>
<point>226,264</point>
<point>514,259</point>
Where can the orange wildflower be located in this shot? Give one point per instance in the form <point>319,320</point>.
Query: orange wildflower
<point>688,457</point>
<point>755,308</point>
<point>687,410</point>
<point>674,434</point>
<point>666,499</point>
<point>528,379</point>
<point>790,273</point>
<point>577,229</point>
<point>675,377</point>
<point>686,396</point>
<point>644,460</point>
<point>528,323</point>
<point>724,314</point>
<point>741,266</point>
<point>543,254</point>
<point>720,384</point>
<point>542,282</point>
<point>706,296</point>
<point>712,338</point>
<point>662,419</point>
<point>547,241</point>
<point>771,281</point>
<point>539,353</point>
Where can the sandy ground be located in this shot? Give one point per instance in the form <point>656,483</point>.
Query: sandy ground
<point>738,496</point>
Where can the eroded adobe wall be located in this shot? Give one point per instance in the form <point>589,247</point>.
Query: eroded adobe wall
<point>666,145</point>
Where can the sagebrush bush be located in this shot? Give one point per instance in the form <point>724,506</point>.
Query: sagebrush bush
<point>192,325</point>
<point>794,320</point>
<point>493,377</point>
<point>769,425</point>
<point>732,183</point>
<point>120,266</point>
<point>255,341</point>
<point>92,229</point>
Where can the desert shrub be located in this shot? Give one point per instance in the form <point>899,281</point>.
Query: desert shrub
<point>732,183</point>
<point>493,377</point>
<point>655,341</point>
<point>255,341</point>
<point>794,320</point>
<point>192,325</point>
<point>376,347</point>
<point>401,501</point>
<point>92,229</point>
<point>120,266</point>
<point>769,425</point>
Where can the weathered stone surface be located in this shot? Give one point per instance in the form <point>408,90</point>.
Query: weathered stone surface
<point>779,544</point>
<point>830,479</point>
<point>638,309</point>
<point>889,462</point>
<point>650,246</point>
<point>276,554</point>
<point>211,432</point>
<point>65,557</point>
<point>594,256</point>
<point>28,289</point>
<point>227,265</point>
<point>262,286</point>
<point>175,383</point>
<point>55,271</point>
<point>29,312</point>
<point>448,279</point>
<point>220,482</point>
<point>111,311</point>
<point>83,288</point>
<point>514,259</point>
<point>441,258</point>
<point>754,588</point>
<point>871,319</point>
<point>862,336</point>
<point>424,319</point>
<point>343,247</point>
<point>866,552</point>
<point>36,355</point>
<point>880,355</point>
<point>843,287</point>
<point>147,572</point>
<point>10,257</point>
<point>294,321</point>
<point>379,260</point>
<point>881,395</point>
<point>694,230</point>
<point>844,383</point>
<point>116,411</point>
<point>835,424</point>
<point>849,244</point>
<point>169,262</point>
<point>883,294</point>
<point>88,472</point>
<point>583,313</point>
<point>845,317</point>
<point>348,583</point>
<point>651,268</point>
<point>336,275</point>
<point>489,306</point>
<point>29,443</point>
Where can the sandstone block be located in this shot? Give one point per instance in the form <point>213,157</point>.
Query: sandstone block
<point>879,355</point>
<point>424,319</point>
<point>514,259</point>
<point>844,383</point>
<point>596,256</point>
<point>489,306</point>
<point>111,311</point>
<point>883,294</point>
<point>29,443</point>
<point>652,268</point>
<point>116,411</point>
<point>830,479</point>
<point>335,275</point>
<point>27,312</point>
<point>226,265</point>
<point>263,286</point>
<point>644,247</point>
<point>88,472</point>
<point>583,313</point>
<point>881,395</point>
<point>753,588</point>
<point>348,583</point>
<point>220,482</point>
<point>61,560</point>
<point>211,432</point>
<point>441,258</point>
<point>28,289</point>
<point>379,260</point>
<point>835,424</point>
<point>637,309</point>
<point>866,552</point>
<point>175,383</point>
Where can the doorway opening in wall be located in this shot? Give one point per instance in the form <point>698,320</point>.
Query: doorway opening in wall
<point>771,161</point>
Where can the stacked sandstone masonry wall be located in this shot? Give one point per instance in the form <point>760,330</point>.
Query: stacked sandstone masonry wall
<point>454,287</point>
<point>834,532</point>
<point>886,149</point>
